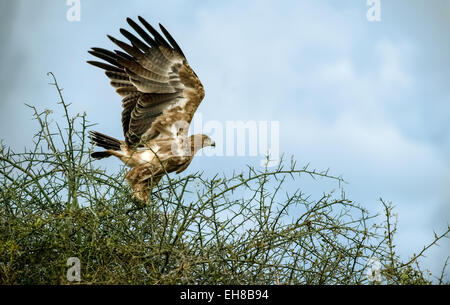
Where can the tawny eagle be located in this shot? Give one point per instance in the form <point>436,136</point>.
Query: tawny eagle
<point>160,94</point>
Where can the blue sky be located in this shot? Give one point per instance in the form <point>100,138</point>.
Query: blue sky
<point>369,100</point>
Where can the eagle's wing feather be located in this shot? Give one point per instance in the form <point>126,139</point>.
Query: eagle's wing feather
<point>157,85</point>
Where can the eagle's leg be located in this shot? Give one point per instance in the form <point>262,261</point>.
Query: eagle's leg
<point>140,192</point>
<point>142,179</point>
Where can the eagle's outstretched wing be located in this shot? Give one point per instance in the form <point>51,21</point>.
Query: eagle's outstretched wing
<point>158,86</point>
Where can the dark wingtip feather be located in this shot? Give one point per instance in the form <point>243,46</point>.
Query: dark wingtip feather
<point>106,57</point>
<point>142,20</point>
<point>105,51</point>
<point>112,39</point>
<point>134,40</point>
<point>104,66</point>
<point>171,39</point>
<point>142,33</point>
<point>124,55</point>
<point>158,38</point>
<point>131,49</point>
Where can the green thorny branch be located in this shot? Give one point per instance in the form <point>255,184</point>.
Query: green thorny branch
<point>258,226</point>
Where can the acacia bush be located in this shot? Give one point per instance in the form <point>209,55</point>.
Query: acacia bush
<point>250,228</point>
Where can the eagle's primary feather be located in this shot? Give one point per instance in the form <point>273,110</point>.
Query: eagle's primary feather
<point>160,94</point>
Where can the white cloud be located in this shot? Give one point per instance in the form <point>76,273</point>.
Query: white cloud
<point>392,69</point>
<point>354,138</point>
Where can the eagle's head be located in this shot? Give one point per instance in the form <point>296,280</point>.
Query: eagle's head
<point>207,141</point>
<point>199,141</point>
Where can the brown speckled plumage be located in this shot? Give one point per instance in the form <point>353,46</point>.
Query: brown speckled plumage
<point>160,94</point>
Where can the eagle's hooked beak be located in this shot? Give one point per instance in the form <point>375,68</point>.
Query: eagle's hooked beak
<point>213,144</point>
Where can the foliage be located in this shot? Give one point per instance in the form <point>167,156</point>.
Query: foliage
<point>249,228</point>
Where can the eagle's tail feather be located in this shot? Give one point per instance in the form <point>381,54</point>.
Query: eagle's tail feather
<point>104,141</point>
<point>100,154</point>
